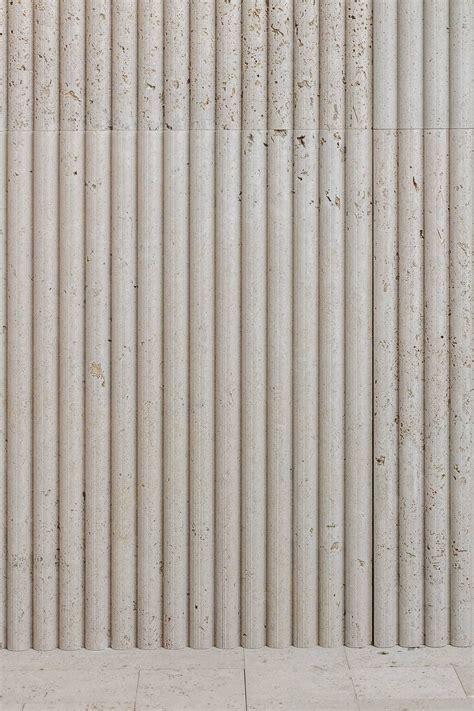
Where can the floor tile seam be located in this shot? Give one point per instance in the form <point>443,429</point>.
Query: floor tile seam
<point>245,689</point>
<point>460,680</point>
<point>349,669</point>
<point>418,668</point>
<point>244,656</point>
<point>136,690</point>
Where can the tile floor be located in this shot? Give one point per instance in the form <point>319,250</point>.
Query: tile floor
<point>238,680</point>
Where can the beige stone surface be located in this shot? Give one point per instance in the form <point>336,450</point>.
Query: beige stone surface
<point>91,685</point>
<point>466,675</point>
<point>192,690</point>
<point>294,678</point>
<point>236,328</point>
<point>407,682</point>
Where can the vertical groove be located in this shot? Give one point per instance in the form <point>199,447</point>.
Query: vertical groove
<point>176,325</point>
<point>236,328</point>
<point>460,338</point>
<point>436,274</point>
<point>150,325</point>
<point>410,319</point>
<point>202,302</point>
<point>71,324</point>
<point>358,326</point>
<point>279,314</point>
<point>124,312</point>
<point>385,314</point>
<point>305,327</point>
<point>3,323</point>
<point>331,324</point>
<point>227,333</point>
<point>45,325</point>
<point>254,321</point>
<point>20,325</point>
<point>97,365</point>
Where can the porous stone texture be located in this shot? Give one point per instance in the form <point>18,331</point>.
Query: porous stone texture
<point>236,331</point>
<point>294,679</point>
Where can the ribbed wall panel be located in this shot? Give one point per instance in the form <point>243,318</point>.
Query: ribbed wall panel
<point>236,309</point>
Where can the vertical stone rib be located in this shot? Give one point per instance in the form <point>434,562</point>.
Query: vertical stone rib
<point>20,325</point>
<point>254,320</point>
<point>228,318</point>
<point>3,323</point>
<point>124,317</point>
<point>358,325</point>
<point>98,332</point>
<point>410,319</point>
<point>71,324</point>
<point>385,320</point>
<point>176,326</point>
<point>331,324</point>
<point>436,277</point>
<point>279,314</point>
<point>305,323</point>
<point>45,325</point>
<point>460,324</point>
<point>202,302</point>
<point>150,325</point>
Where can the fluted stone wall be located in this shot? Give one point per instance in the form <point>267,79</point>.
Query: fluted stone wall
<point>236,298</point>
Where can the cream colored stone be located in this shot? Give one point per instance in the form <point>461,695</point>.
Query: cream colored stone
<point>91,686</point>
<point>123,295</point>
<point>97,391</point>
<point>412,705</point>
<point>267,658</point>
<point>407,683</point>
<point>176,325</point>
<point>254,266</point>
<point>71,363</point>
<point>305,323</point>
<point>400,656</point>
<point>298,687</point>
<point>202,256</point>
<point>236,244</point>
<point>3,330</point>
<point>133,660</point>
<point>194,690</point>
<point>466,675</point>
<point>149,389</point>
<point>79,707</point>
